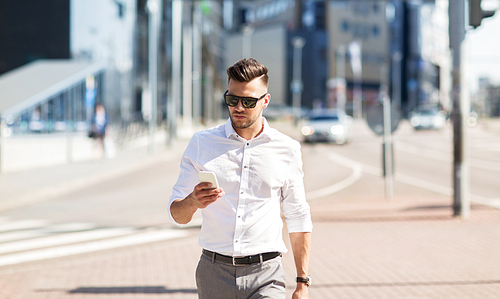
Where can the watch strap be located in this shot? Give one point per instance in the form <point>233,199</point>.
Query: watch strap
<point>306,280</point>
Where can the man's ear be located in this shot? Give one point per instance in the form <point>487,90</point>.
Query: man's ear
<point>266,99</point>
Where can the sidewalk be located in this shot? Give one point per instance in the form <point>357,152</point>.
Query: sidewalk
<point>364,246</point>
<point>26,187</point>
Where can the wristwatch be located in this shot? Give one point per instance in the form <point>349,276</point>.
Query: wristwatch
<point>306,280</point>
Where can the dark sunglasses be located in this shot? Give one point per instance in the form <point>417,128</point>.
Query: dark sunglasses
<point>247,102</point>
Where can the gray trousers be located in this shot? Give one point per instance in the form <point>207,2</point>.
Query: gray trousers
<point>216,280</point>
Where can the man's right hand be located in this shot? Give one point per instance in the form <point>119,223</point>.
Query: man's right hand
<point>203,195</point>
<point>183,209</point>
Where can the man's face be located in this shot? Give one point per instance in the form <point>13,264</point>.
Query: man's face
<point>244,118</point>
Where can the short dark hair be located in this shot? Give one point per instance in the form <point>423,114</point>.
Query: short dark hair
<point>247,69</point>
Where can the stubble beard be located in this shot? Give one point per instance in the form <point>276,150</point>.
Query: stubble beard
<point>243,124</point>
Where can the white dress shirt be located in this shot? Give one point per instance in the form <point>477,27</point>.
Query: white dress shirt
<point>260,177</point>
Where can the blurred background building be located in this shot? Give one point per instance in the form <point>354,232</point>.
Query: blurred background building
<point>487,100</point>
<point>320,53</point>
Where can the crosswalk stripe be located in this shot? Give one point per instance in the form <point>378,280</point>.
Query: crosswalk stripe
<point>69,227</point>
<point>14,236</point>
<point>22,224</point>
<point>63,239</point>
<point>68,250</point>
<point>42,231</point>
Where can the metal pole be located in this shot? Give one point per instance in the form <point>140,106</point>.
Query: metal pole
<point>357,71</point>
<point>387,138</point>
<point>210,105</point>
<point>341,82</point>
<point>187,64</point>
<point>358,99</point>
<point>461,201</point>
<point>297,85</point>
<point>197,63</point>
<point>396,78</point>
<point>389,177</point>
<point>153,36</point>
<point>70,102</point>
<point>175,99</point>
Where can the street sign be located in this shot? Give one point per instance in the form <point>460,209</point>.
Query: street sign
<point>375,118</point>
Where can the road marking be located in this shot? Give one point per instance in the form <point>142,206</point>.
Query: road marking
<point>488,147</point>
<point>357,172</point>
<point>427,153</point>
<point>492,202</point>
<point>436,155</point>
<point>22,224</point>
<point>70,227</point>
<point>64,239</point>
<point>15,236</point>
<point>42,231</point>
<point>423,184</point>
<point>68,250</point>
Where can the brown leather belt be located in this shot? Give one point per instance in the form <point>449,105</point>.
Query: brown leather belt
<point>245,260</point>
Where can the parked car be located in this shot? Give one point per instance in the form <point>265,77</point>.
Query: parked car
<point>330,125</point>
<point>427,118</point>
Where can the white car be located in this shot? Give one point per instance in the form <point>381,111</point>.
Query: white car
<point>427,119</point>
<point>330,125</point>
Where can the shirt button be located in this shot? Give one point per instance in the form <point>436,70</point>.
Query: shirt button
<point>245,166</point>
<point>248,143</point>
<point>241,193</point>
<point>236,241</point>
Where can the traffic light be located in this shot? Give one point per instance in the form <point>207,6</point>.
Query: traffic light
<point>476,13</point>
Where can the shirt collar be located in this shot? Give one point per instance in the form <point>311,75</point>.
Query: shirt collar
<point>231,133</point>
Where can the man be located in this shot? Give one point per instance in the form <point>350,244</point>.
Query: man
<point>259,171</point>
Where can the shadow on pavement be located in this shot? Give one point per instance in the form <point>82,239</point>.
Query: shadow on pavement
<point>130,290</point>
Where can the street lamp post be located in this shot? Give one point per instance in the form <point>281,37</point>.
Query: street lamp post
<point>187,66</point>
<point>297,85</point>
<point>197,63</point>
<point>341,82</point>
<point>175,90</point>
<point>356,65</point>
<point>154,7</point>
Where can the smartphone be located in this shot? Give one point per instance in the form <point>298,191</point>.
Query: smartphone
<point>208,176</point>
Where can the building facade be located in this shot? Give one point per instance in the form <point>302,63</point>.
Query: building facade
<point>265,30</point>
<point>40,30</point>
<point>404,52</point>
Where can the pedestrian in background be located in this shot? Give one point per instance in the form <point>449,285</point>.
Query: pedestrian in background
<point>98,129</point>
<point>259,171</point>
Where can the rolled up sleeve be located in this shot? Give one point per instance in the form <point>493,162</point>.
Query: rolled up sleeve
<point>188,176</point>
<point>294,204</point>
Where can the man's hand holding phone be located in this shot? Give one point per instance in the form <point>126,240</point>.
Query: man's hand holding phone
<point>208,190</point>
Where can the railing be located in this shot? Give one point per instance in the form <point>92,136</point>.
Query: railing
<point>132,129</point>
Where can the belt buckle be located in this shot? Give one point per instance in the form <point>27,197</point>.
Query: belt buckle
<point>234,262</point>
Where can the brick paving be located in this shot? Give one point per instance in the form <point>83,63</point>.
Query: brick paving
<point>358,252</point>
